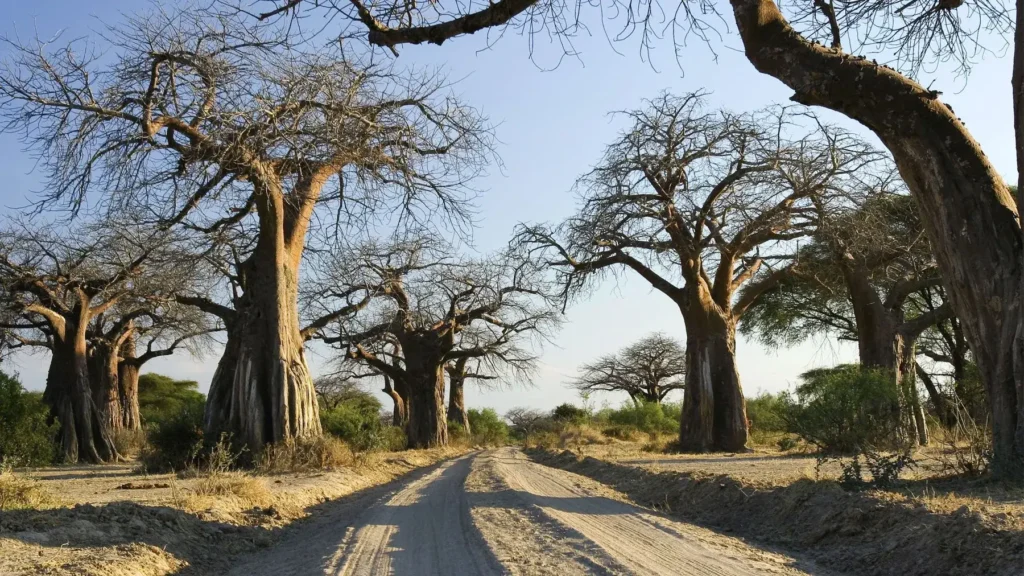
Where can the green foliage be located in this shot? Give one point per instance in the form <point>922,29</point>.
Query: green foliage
<point>26,439</point>
<point>355,418</point>
<point>163,399</point>
<point>767,412</point>
<point>847,409</point>
<point>488,428</point>
<point>884,469</point>
<point>649,417</point>
<point>569,414</point>
<point>175,440</point>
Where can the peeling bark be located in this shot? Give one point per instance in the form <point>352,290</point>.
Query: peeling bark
<point>262,391</point>
<point>714,410</point>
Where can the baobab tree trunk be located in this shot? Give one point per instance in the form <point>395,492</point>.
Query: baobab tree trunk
<point>714,410</point>
<point>457,402</point>
<point>262,391</point>
<point>968,213</point>
<point>104,381</point>
<point>128,385</point>
<point>83,433</point>
<point>427,426</point>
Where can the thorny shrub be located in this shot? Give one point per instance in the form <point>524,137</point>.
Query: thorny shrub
<point>966,446</point>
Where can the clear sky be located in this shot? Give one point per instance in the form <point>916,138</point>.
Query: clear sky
<point>553,126</point>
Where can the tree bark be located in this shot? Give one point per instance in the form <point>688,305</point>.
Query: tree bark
<point>714,410</point>
<point>83,433</point>
<point>427,426</point>
<point>457,402</point>
<point>942,408</point>
<point>128,385</point>
<point>262,391</point>
<point>104,381</point>
<point>967,210</point>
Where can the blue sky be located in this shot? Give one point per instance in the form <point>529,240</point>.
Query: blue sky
<point>553,126</point>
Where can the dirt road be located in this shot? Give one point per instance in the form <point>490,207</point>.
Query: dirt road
<point>499,513</point>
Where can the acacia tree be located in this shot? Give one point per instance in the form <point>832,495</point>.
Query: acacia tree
<point>438,310</point>
<point>698,203</point>
<point>968,212</point>
<point>862,279</point>
<point>59,284</point>
<point>647,370</point>
<point>195,116</point>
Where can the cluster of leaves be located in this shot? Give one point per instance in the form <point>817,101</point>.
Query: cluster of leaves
<point>353,415</point>
<point>846,410</point>
<point>488,428</point>
<point>27,438</point>
<point>648,417</point>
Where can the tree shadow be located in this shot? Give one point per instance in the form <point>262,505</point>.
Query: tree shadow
<point>858,531</point>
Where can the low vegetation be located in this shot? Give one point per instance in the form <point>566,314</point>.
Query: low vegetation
<point>26,436</point>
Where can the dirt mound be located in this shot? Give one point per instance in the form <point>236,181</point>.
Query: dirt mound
<point>854,532</point>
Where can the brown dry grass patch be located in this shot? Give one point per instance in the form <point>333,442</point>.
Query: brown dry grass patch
<point>19,493</point>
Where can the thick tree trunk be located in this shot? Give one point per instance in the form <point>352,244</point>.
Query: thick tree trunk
<point>427,426</point>
<point>83,433</point>
<point>262,391</point>
<point>104,380</point>
<point>967,210</point>
<point>128,385</point>
<point>714,410</point>
<point>457,402</point>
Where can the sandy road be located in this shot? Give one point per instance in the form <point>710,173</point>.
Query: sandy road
<point>499,513</point>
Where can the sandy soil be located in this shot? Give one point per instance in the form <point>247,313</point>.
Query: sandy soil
<point>111,521</point>
<point>921,527</point>
<point>499,513</point>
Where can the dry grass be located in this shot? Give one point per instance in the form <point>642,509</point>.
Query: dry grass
<point>18,493</point>
<point>130,443</point>
<point>229,490</point>
<point>325,453</point>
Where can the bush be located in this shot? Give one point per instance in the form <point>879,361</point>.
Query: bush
<point>646,417</point>
<point>767,412</point>
<point>847,409</point>
<point>569,414</point>
<point>175,442</point>
<point>354,417</point>
<point>26,438</point>
<point>162,398</point>
<point>488,428</point>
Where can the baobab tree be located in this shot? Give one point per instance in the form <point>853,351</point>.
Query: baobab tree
<point>861,279</point>
<point>152,318</point>
<point>439,310</point>
<point>969,213</point>
<point>201,118</point>
<point>700,204</point>
<point>647,370</point>
<point>60,283</point>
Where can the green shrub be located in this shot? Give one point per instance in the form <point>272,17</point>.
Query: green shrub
<point>646,417</point>
<point>846,409</point>
<point>162,398</point>
<point>569,414</point>
<point>26,438</point>
<point>488,428</point>
<point>175,441</point>
<point>767,412</point>
<point>353,415</point>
